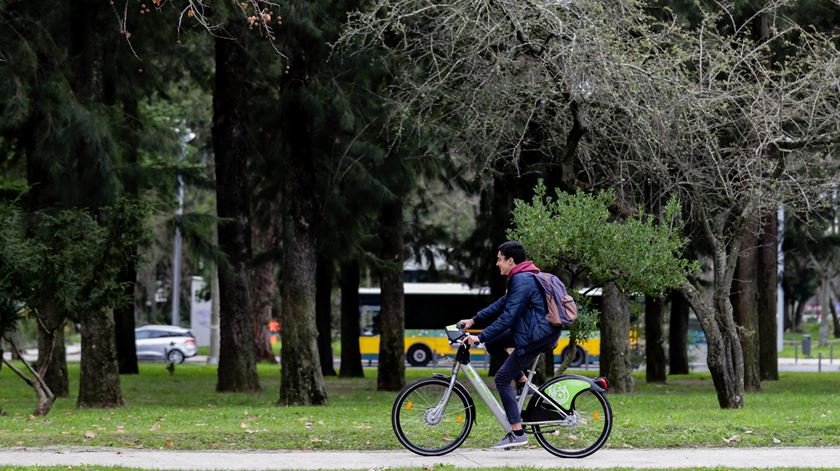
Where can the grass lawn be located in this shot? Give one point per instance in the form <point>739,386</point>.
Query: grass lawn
<point>184,412</point>
<point>812,329</point>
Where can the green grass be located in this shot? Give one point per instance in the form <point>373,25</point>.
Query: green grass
<point>184,412</point>
<point>205,350</point>
<point>813,329</point>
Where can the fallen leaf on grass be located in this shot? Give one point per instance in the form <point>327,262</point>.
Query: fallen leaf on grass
<point>748,432</point>
<point>243,425</point>
<point>155,427</point>
<point>308,424</point>
<point>315,440</point>
<point>732,439</point>
<point>90,435</point>
<point>169,444</point>
<point>776,440</point>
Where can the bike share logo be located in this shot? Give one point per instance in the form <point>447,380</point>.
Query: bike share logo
<point>559,393</point>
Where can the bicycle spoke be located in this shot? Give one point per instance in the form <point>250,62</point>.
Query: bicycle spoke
<point>411,422</point>
<point>581,432</point>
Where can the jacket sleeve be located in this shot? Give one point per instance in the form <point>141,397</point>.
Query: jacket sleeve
<point>491,312</point>
<point>515,305</point>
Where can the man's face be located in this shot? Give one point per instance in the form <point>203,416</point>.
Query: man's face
<point>504,263</point>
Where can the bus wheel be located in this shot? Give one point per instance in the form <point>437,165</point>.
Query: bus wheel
<point>419,355</point>
<point>580,355</point>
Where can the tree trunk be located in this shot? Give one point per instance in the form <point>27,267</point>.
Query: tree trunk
<point>263,291</point>
<point>391,372</point>
<point>323,313</point>
<point>834,317</point>
<point>654,351</point>
<point>51,351</point>
<point>45,397</point>
<point>15,340</point>
<point>724,358</point>
<point>615,346</point>
<point>678,335</point>
<point>797,315</point>
<point>215,304</point>
<point>497,210</point>
<point>745,312</point>
<point>351,357</point>
<point>124,326</point>
<point>825,300</point>
<point>99,378</point>
<point>237,370</point>
<point>767,298</point>
<point>124,315</point>
<point>301,381</point>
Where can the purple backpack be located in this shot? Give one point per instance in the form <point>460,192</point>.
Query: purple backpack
<point>560,306</point>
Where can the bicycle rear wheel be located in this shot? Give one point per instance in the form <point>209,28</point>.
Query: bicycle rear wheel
<point>585,429</point>
<point>422,426</point>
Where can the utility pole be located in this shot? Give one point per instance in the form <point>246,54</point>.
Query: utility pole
<point>176,258</point>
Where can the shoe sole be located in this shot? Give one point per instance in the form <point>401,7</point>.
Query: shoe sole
<point>508,445</point>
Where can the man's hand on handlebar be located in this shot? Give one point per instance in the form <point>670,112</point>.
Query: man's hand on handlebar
<point>472,340</point>
<point>465,324</point>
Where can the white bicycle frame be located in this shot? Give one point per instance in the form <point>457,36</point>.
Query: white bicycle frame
<point>484,393</point>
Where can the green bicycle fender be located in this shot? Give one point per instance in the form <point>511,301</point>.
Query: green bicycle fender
<point>564,391</point>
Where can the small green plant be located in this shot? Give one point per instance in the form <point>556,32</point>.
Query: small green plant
<point>579,234</point>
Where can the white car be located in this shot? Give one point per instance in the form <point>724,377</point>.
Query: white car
<point>164,343</point>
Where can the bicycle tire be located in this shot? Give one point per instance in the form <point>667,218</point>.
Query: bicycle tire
<point>549,436</point>
<point>429,391</point>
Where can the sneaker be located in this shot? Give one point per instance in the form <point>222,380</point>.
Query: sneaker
<point>511,440</point>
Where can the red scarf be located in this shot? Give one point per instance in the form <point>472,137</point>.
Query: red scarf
<point>526,266</point>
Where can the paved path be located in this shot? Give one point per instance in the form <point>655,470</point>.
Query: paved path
<point>632,458</point>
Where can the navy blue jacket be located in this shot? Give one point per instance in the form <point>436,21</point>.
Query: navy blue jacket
<point>521,309</point>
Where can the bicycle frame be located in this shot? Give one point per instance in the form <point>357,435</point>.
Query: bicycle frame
<point>462,362</point>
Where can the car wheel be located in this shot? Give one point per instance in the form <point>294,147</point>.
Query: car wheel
<point>419,355</point>
<point>175,356</point>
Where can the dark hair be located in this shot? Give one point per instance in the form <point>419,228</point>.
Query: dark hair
<point>513,249</point>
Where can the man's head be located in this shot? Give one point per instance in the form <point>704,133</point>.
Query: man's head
<point>510,253</point>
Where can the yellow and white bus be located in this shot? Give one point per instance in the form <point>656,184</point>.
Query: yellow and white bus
<point>431,306</point>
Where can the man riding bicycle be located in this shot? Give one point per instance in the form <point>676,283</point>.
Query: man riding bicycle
<point>516,320</point>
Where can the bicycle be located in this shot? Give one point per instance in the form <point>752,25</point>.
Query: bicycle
<point>569,415</point>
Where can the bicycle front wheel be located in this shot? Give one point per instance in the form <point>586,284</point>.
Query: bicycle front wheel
<point>425,424</point>
<point>583,431</point>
